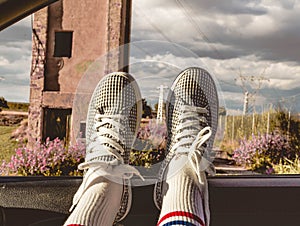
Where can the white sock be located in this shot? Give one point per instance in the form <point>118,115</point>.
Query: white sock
<point>182,199</point>
<point>98,205</point>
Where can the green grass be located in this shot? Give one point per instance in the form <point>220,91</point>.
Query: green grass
<point>7,145</point>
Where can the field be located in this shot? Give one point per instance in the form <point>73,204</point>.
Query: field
<point>8,123</point>
<point>15,106</point>
<point>7,145</point>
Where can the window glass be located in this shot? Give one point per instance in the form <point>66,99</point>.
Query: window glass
<point>252,51</point>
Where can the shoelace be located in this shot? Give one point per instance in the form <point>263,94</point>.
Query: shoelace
<point>192,139</point>
<point>105,139</point>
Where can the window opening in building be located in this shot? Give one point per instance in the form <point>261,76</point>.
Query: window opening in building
<point>63,44</point>
<point>56,124</point>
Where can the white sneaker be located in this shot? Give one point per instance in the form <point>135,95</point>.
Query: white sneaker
<point>192,118</point>
<point>113,119</point>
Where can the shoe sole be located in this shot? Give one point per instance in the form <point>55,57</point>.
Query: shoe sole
<point>126,199</point>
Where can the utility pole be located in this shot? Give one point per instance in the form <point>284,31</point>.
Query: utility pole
<point>160,115</point>
<point>246,102</point>
<point>250,86</point>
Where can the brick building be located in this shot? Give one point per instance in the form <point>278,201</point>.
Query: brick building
<point>69,36</point>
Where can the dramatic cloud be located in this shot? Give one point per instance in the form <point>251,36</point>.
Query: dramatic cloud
<point>226,28</point>
<point>232,40</point>
<point>15,61</point>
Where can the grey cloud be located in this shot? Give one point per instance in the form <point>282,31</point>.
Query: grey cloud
<point>15,45</point>
<point>215,53</point>
<point>279,45</point>
<point>227,87</point>
<point>14,92</point>
<point>208,6</point>
<point>16,52</point>
<point>15,33</point>
<point>288,4</point>
<point>169,4</point>
<point>150,75</point>
<point>233,104</point>
<point>151,48</point>
<point>275,47</point>
<point>234,7</point>
<point>15,80</point>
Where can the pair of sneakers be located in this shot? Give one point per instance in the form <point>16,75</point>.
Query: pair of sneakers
<point>113,119</point>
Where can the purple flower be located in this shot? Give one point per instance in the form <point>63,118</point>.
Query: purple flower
<point>49,158</point>
<point>262,151</point>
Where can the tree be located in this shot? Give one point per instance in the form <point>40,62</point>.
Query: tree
<point>147,111</point>
<point>3,103</point>
<point>222,110</point>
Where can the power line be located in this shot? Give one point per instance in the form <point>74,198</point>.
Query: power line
<point>255,82</point>
<point>151,23</point>
<point>187,14</point>
<point>205,38</point>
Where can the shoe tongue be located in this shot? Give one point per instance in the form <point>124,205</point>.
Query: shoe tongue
<point>176,164</point>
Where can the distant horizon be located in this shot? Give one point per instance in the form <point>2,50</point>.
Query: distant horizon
<point>16,100</point>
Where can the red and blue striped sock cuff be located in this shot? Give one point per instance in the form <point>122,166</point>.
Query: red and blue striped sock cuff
<point>74,225</point>
<point>180,218</point>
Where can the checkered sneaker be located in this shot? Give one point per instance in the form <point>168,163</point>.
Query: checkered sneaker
<point>192,118</point>
<point>113,119</point>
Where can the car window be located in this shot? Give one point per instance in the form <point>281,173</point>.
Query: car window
<point>250,49</point>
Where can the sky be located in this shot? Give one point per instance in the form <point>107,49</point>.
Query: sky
<point>246,45</point>
<point>15,61</point>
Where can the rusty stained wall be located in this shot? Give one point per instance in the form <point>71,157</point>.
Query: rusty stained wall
<point>98,27</point>
<point>88,21</point>
<point>37,75</point>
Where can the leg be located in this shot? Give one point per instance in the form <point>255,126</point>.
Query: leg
<point>182,198</point>
<point>181,191</point>
<point>99,205</point>
<point>104,197</point>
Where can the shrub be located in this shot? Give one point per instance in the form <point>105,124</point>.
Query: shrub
<point>3,103</point>
<point>150,145</point>
<point>286,166</point>
<point>15,106</point>
<point>263,151</point>
<point>51,158</point>
<point>229,146</point>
